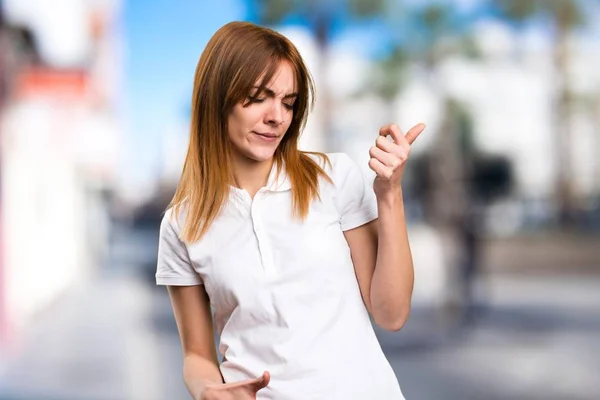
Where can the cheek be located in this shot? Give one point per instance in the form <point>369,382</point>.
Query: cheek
<point>289,123</point>
<point>249,119</point>
<point>236,125</point>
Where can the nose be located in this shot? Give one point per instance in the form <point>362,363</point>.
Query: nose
<point>274,113</point>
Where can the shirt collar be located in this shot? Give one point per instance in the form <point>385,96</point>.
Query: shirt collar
<point>278,183</point>
<point>275,182</point>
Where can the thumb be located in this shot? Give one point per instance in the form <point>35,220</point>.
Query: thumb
<point>414,132</point>
<point>261,382</point>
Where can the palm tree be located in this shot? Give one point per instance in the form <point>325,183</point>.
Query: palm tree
<point>321,16</point>
<point>565,16</point>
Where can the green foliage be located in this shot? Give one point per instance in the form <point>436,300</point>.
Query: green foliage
<point>389,75</point>
<point>367,8</point>
<point>567,13</point>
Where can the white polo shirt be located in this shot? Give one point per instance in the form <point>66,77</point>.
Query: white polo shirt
<point>284,292</point>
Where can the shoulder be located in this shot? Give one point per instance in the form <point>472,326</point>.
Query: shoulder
<point>334,164</point>
<point>171,223</point>
<point>344,173</point>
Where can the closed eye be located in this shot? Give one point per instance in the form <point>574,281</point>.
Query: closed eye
<point>252,99</point>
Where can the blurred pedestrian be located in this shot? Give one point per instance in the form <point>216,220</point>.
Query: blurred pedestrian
<point>292,249</point>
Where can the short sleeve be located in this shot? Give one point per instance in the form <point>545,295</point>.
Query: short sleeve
<point>173,266</point>
<point>355,199</point>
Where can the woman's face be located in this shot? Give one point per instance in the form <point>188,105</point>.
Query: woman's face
<point>257,129</point>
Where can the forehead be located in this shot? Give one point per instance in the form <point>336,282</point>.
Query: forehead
<point>282,80</point>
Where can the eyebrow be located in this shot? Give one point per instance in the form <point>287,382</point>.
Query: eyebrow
<point>271,93</point>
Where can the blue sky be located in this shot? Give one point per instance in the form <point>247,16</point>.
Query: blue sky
<point>162,45</point>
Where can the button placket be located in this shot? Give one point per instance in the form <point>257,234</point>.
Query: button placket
<point>261,236</point>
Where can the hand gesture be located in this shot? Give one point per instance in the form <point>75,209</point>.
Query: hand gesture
<point>244,390</point>
<point>388,158</point>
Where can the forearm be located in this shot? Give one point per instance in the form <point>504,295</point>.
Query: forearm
<point>198,373</point>
<point>393,278</point>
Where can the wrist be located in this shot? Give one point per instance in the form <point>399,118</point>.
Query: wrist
<point>209,391</point>
<point>205,389</point>
<point>392,196</point>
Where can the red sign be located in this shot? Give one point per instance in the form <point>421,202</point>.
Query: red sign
<point>52,83</point>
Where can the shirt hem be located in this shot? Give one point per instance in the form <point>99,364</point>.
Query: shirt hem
<point>359,220</point>
<point>177,281</point>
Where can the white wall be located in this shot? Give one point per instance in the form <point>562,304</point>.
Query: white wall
<point>44,241</point>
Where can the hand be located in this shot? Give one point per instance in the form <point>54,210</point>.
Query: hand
<point>388,159</point>
<point>244,390</point>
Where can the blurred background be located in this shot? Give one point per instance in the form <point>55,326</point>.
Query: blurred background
<point>502,189</point>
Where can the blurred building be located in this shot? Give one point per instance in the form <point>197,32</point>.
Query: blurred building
<point>509,92</point>
<point>60,135</point>
<point>513,101</point>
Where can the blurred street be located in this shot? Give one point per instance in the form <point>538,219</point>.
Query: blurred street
<point>502,191</point>
<point>114,337</point>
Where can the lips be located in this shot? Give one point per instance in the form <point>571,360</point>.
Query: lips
<point>267,134</point>
<point>267,137</point>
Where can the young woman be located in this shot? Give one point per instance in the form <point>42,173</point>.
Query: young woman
<point>291,249</point>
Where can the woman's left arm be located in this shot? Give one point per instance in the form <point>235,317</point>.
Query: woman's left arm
<point>380,249</point>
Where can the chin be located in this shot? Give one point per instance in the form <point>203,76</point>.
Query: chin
<point>260,156</point>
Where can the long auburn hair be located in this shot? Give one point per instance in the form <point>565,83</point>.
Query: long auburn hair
<point>234,59</point>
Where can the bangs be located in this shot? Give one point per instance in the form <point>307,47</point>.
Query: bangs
<point>257,75</point>
<point>270,69</point>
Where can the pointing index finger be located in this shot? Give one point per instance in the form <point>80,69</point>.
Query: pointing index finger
<point>393,130</point>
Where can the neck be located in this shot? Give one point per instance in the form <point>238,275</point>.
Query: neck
<point>251,175</point>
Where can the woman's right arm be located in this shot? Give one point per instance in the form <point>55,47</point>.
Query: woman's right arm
<point>191,308</point>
